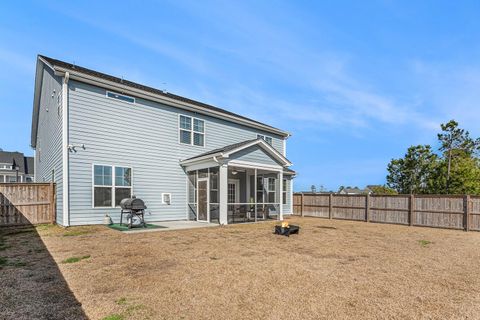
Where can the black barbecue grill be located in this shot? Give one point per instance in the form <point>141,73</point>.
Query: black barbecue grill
<point>134,209</point>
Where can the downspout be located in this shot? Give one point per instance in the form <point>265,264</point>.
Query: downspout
<point>65,162</point>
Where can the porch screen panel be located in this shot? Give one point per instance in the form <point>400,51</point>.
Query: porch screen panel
<point>214,206</point>
<point>213,185</point>
<point>192,193</point>
<point>260,189</point>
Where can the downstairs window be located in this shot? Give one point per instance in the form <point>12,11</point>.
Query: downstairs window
<point>111,184</point>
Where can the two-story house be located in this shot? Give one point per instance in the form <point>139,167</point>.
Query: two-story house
<point>15,167</point>
<point>102,139</point>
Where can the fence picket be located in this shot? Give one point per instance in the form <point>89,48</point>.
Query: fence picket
<point>441,211</point>
<point>27,203</point>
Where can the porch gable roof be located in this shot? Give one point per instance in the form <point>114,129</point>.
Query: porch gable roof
<point>226,151</point>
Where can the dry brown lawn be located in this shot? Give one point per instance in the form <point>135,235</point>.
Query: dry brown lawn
<point>331,270</point>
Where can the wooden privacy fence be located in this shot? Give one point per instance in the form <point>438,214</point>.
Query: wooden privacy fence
<point>27,203</point>
<point>441,211</point>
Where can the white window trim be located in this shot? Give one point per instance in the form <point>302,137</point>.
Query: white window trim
<point>274,191</point>
<point>120,94</point>
<point>169,196</point>
<point>192,131</point>
<point>113,183</point>
<point>259,136</point>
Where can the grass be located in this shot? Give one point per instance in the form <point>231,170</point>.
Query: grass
<point>114,317</point>
<point>74,233</point>
<point>5,262</point>
<point>3,245</point>
<point>424,243</point>
<point>332,269</point>
<point>75,259</point>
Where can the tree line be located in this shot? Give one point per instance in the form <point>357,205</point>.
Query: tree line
<point>454,168</point>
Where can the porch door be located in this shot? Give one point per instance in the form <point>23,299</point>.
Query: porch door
<point>202,189</point>
<point>233,191</point>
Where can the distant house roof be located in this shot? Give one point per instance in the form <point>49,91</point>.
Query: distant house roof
<point>233,148</point>
<point>17,159</point>
<point>354,190</point>
<point>59,65</point>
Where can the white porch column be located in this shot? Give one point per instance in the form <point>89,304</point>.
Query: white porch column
<point>223,194</point>
<point>255,193</point>
<point>280,177</point>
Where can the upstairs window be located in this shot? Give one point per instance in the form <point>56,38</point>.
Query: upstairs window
<point>192,131</point>
<point>121,97</point>
<point>266,138</point>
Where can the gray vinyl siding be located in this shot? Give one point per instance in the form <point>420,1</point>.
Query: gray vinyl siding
<point>48,152</point>
<point>143,136</point>
<point>254,154</point>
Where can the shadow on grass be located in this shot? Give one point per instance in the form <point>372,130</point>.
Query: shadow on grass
<point>31,284</point>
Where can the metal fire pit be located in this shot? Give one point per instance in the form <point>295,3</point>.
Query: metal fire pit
<point>287,231</point>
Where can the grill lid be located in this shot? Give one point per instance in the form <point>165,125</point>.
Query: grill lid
<point>132,204</point>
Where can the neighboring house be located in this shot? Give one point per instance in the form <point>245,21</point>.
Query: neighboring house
<point>102,138</point>
<point>15,167</point>
<point>354,190</point>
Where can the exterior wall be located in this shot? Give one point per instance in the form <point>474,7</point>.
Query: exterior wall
<point>254,154</point>
<point>143,136</point>
<point>48,153</point>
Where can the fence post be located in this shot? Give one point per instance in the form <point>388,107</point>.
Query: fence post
<point>330,205</point>
<point>466,215</point>
<point>411,210</point>
<point>367,208</point>
<point>52,203</point>
<point>303,201</point>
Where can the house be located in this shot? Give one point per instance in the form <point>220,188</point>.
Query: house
<point>102,139</point>
<point>354,190</point>
<point>15,167</point>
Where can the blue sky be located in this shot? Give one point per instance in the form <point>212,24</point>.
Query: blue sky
<point>355,82</point>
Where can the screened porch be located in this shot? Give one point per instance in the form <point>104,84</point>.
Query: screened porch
<point>251,194</point>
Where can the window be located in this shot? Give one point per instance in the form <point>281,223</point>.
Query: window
<point>271,190</point>
<point>29,179</point>
<point>102,195</point>
<point>111,185</point>
<point>192,131</point>
<point>231,193</point>
<point>267,139</point>
<point>121,97</point>
<point>5,166</point>
<point>11,178</point>
<point>284,192</point>
<point>123,184</point>
<point>166,198</point>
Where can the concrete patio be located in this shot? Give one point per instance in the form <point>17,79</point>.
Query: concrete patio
<point>173,225</point>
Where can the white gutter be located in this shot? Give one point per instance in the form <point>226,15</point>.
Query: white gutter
<point>209,156</point>
<point>65,164</point>
<point>165,100</point>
